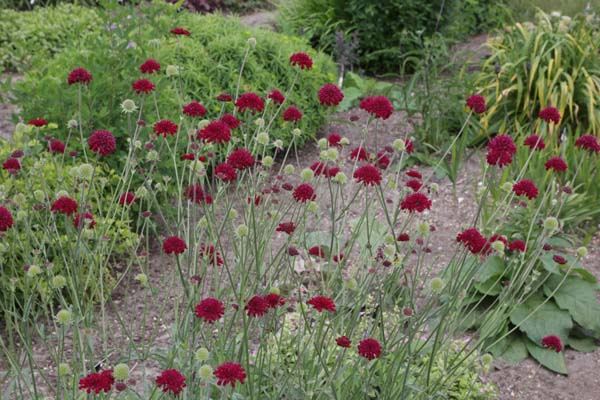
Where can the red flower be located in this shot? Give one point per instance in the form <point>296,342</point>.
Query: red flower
<point>276,96</point>
<point>292,114</point>
<point>416,202</point>
<point>414,174</point>
<point>251,102</point>
<point>588,142</point>
<point>228,373</point>
<point>321,303</point>
<point>476,103</point>
<point>174,245</point>
<point>403,237</point>
<point>194,109</point>
<point>257,306</point>
<point>487,248</point>
<point>171,380</point>
<point>6,219</point>
<point>304,192</point>
<point>97,382</point>
<point>343,341</point>
<point>331,172</point>
<point>534,142</point>
<point>79,222</point>
<point>559,259</point>
<point>180,31</point>
<point>552,342</point>
<point>330,95</point>
<point>210,310</point>
<point>216,132</point>
<point>471,239</point>
<point>409,146</point>
<point>150,66</point>
<point>550,114</point>
<point>17,153</point>
<point>369,348</point>
<point>414,184</point>
<point>195,194</point>
<point>213,255</point>
<point>56,146</point>
<point>142,86</point>
<point>377,106</point>
<point>359,154</point>
<point>302,60</point>
<point>240,159</point>
<point>126,199</point>
<point>383,161</point>
<point>556,164</point>
<point>274,300</point>
<point>224,97</point>
<point>286,227</point>
<point>65,205</point>
<point>187,157</point>
<point>319,168</point>
<point>525,187</point>
<point>517,245</point>
<point>368,175</point>
<point>79,75</point>
<point>12,165</point>
<point>165,127</point>
<point>317,251</point>
<point>334,140</point>
<point>39,122</point>
<point>231,121</point>
<point>225,172</point>
<point>102,142</point>
<point>500,150</point>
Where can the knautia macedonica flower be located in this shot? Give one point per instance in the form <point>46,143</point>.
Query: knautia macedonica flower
<point>229,373</point>
<point>38,122</point>
<point>416,202</point>
<point>165,127</point>
<point>517,245</point>
<point>194,109</point>
<point>64,205</point>
<point>174,245</point>
<point>6,219</point>
<point>321,303</point>
<point>257,306</point>
<point>215,132</point>
<point>556,164</point>
<point>274,300</point>
<point>500,150</point>
<point>251,102</point>
<point>552,342</point>
<point>304,192</point>
<point>196,194</point>
<point>534,142</point>
<point>330,95</point>
<point>212,254</point>
<point>79,75</point>
<point>171,380</point>
<point>56,147</point>
<point>240,159</point>
<point>126,199</point>
<point>12,165</point>
<point>128,106</point>
<point>343,341</point>
<point>150,66</point>
<point>292,114</point>
<point>525,187</point>
<point>224,97</point>
<point>102,142</point>
<point>286,227</point>
<point>97,382</point>
<point>301,60</point>
<point>414,184</point>
<point>359,154</point>
<point>588,142</point>
<point>368,175</point>
<point>550,114</point>
<point>210,310</point>
<point>142,86</point>
<point>84,220</point>
<point>225,172</point>
<point>231,121</point>
<point>276,96</point>
<point>383,161</point>
<point>377,106</point>
<point>476,103</point>
<point>472,240</point>
<point>180,31</point>
<point>369,348</point>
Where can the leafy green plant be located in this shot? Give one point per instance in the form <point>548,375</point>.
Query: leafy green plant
<point>525,10</point>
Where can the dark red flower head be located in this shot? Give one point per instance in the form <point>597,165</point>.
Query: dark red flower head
<point>557,258</point>
<point>556,164</point>
<point>403,237</point>
<point>304,192</point>
<point>588,142</point>
<point>534,142</point>
<point>240,159</point>
<point>359,154</point>
<point>102,142</point>
<point>286,227</point>
<point>194,109</point>
<point>224,97</point>
<point>174,245</point>
<point>216,132</point>
<point>377,106</point>
<point>12,165</point>
<point>150,66</point>
<point>180,31</point>
<point>210,310</point>
<point>525,187</point>
<point>472,240</point>
<point>79,75</point>
<point>476,103</point>
<point>414,184</point>
<point>142,86</point>
<point>368,175</point>
<point>414,174</point>
<point>56,146</point>
<point>126,199</point>
<point>196,194</point>
<point>550,114</point>
<point>334,140</point>
<point>165,127</point>
<point>369,348</point>
<point>500,150</point>
<point>274,300</point>
<point>276,96</point>
<point>317,251</point>
<point>416,202</point>
<point>79,222</point>
<point>321,303</point>
<point>292,114</point>
<point>64,205</point>
<point>383,161</point>
<point>330,95</point>
<point>212,254</point>
<point>343,341</point>
<point>225,172</point>
<point>228,373</point>
<point>257,306</point>
<point>231,121</point>
<point>251,102</point>
<point>487,249</point>
<point>97,382</point>
<point>39,122</point>
<point>171,380</point>
<point>517,245</point>
<point>6,219</point>
<point>301,60</point>
<point>552,342</point>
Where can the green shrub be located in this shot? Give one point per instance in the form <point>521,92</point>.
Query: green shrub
<point>524,10</point>
<point>42,33</point>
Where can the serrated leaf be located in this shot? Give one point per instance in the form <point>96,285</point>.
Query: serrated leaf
<point>539,319</point>
<point>578,297</point>
<point>586,345</point>
<point>548,358</point>
<point>491,268</point>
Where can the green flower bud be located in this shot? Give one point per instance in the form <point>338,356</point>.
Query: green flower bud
<point>202,354</point>
<point>307,174</point>
<point>206,373</point>
<point>232,214</point>
<point>20,128</point>
<point>436,285</point>
<point>582,252</point>
<point>241,231</point>
<point>263,138</point>
<point>86,171</point>
<point>399,145</point>
<point>63,317</point>
<point>551,224</point>
<point>498,245</point>
<point>351,284</point>
<point>172,70</point>
<point>39,195</point>
<point>21,215</point>
<point>434,187</point>
<point>121,372</point>
<point>312,207</point>
<point>72,124</point>
<point>203,123</point>
<point>20,199</point>
<point>289,169</point>
<point>259,122</point>
<point>252,42</point>
<point>141,192</point>
<point>340,178</point>
<point>423,228</point>
<point>344,141</point>
<point>142,279</point>
<point>203,223</point>
<point>389,251</point>
<point>278,144</point>
<point>389,239</point>
<point>58,282</point>
<point>274,290</point>
<point>152,156</point>
<point>267,161</point>
<point>323,155</point>
<point>332,154</point>
<point>323,143</point>
<point>487,359</point>
<point>61,193</point>
<point>64,369</point>
<point>296,132</point>
<point>128,106</point>
<point>33,271</point>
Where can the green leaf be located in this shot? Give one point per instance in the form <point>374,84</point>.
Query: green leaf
<point>539,319</point>
<point>586,345</point>
<point>491,287</point>
<point>578,297</point>
<point>549,264</point>
<point>585,274</point>
<point>512,349</point>
<point>491,268</point>
<point>548,358</point>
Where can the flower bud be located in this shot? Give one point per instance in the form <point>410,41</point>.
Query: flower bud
<point>64,369</point>
<point>263,138</point>
<point>307,174</point>
<point>551,224</point>
<point>172,70</point>
<point>340,178</point>
<point>39,195</point>
<point>142,279</point>
<point>121,372</point>
<point>582,251</point>
<point>33,271</point>
<point>297,132</point>
<point>241,230</point>
<point>323,143</point>
<point>252,42</point>
<point>58,282</point>
<point>63,317</point>
<point>259,122</point>
<point>399,145</point>
<point>202,354</point>
<point>267,161</point>
<point>436,285</point>
<point>289,169</point>
<point>86,171</point>
<point>312,207</point>
<point>206,372</point>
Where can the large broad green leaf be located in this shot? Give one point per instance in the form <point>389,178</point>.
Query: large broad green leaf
<point>586,345</point>
<point>491,268</point>
<point>491,287</point>
<point>548,358</point>
<point>538,319</point>
<point>512,349</point>
<point>578,297</point>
